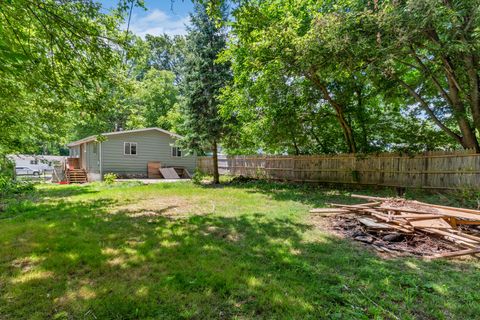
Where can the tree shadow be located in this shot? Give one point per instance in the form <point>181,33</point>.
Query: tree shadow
<point>315,195</point>
<point>81,260</point>
<point>62,191</point>
<point>319,195</point>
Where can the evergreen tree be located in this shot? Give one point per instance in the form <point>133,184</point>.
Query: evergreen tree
<point>203,80</point>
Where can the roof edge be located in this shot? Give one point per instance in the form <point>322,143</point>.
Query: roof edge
<point>93,138</point>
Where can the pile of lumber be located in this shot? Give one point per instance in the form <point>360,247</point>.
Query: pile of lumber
<point>394,224</point>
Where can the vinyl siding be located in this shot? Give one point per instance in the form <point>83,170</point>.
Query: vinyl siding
<point>151,146</point>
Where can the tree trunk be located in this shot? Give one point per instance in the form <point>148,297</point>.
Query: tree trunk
<point>474,81</point>
<point>453,97</point>
<point>460,139</point>
<point>361,119</point>
<point>347,131</point>
<point>346,128</point>
<point>469,139</point>
<point>216,175</point>
<point>295,146</point>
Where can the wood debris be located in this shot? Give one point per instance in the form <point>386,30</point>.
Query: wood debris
<point>399,226</point>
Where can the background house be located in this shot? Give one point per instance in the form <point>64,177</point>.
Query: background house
<point>127,153</point>
<point>37,162</point>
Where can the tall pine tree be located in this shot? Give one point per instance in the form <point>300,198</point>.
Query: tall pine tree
<point>203,79</point>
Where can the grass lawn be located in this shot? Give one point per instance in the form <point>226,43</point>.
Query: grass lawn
<point>174,251</point>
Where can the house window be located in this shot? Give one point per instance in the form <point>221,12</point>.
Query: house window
<point>176,152</point>
<point>130,148</point>
<point>95,148</point>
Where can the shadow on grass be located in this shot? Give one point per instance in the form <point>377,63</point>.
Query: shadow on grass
<point>310,194</point>
<point>62,191</point>
<point>318,195</point>
<point>79,260</point>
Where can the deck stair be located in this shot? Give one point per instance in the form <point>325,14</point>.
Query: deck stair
<point>76,176</point>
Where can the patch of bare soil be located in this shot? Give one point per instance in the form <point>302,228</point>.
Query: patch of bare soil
<point>26,264</point>
<point>229,235</point>
<point>172,207</point>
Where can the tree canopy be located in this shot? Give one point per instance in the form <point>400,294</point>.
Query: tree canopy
<point>272,76</point>
<point>309,74</point>
<point>54,57</point>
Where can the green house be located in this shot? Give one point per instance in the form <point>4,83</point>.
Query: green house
<point>128,153</point>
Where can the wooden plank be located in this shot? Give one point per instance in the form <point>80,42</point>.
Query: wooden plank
<point>153,170</point>
<point>457,221</point>
<point>431,223</point>
<point>416,216</point>
<point>381,216</point>
<point>453,237</point>
<point>369,198</point>
<point>448,208</point>
<point>169,173</point>
<point>369,222</point>
<point>442,212</point>
<point>328,210</point>
<point>466,235</point>
<point>455,253</point>
<point>354,206</point>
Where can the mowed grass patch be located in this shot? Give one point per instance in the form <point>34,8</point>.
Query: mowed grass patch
<point>181,251</point>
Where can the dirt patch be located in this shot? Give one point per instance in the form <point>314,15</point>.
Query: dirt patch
<point>172,207</point>
<point>229,235</point>
<point>26,264</point>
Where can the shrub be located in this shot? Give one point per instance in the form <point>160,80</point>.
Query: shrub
<point>7,167</point>
<point>198,176</point>
<point>8,184</point>
<point>109,178</point>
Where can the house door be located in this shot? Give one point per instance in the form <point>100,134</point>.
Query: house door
<point>83,156</point>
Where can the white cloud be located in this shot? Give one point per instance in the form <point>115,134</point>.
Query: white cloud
<point>158,22</point>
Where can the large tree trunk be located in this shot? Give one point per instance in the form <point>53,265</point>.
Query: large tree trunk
<point>474,81</point>
<point>347,131</point>
<point>339,112</point>
<point>216,175</point>
<point>453,98</point>
<point>346,128</point>
<point>469,139</point>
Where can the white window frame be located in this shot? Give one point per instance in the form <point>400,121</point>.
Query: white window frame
<point>176,153</point>
<point>131,143</point>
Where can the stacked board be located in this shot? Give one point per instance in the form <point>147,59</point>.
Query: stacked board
<point>457,226</point>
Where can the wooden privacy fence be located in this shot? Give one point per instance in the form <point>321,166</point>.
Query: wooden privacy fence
<point>444,170</point>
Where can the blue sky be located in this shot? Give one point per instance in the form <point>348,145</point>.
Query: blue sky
<point>161,16</point>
